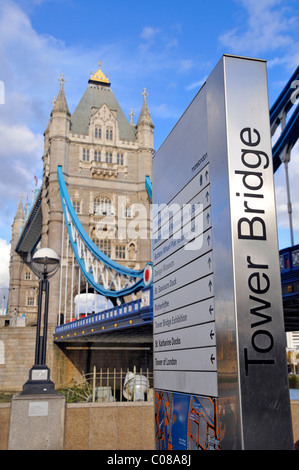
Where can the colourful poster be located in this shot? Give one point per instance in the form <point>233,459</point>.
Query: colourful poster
<point>186,422</point>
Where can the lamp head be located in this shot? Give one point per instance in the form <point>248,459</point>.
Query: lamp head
<point>45,262</point>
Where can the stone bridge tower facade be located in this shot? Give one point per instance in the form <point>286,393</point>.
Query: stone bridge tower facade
<point>105,159</point>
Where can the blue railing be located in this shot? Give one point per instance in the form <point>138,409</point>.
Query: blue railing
<point>134,313</point>
<point>289,268</point>
<point>289,259</point>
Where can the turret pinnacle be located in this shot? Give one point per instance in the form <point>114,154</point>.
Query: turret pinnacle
<point>60,104</point>
<point>20,210</point>
<point>144,117</point>
<point>145,126</point>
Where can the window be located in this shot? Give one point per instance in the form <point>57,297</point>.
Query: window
<point>28,275</point>
<point>105,247</point>
<point>96,241</point>
<point>108,157</point>
<point>120,251</point>
<point>77,206</point>
<point>120,158</point>
<point>30,301</point>
<point>109,133</point>
<point>85,155</point>
<point>128,212</point>
<point>97,155</point>
<point>98,132</point>
<point>102,205</point>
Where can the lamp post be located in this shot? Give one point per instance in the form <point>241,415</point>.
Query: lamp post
<point>44,264</point>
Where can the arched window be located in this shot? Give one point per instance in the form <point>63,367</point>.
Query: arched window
<point>109,133</point>
<point>97,155</point>
<point>109,157</point>
<point>105,247</point>
<point>102,205</point>
<point>120,159</point>
<point>77,206</point>
<point>85,155</point>
<point>120,251</point>
<point>98,132</point>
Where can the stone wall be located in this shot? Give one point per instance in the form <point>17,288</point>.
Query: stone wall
<point>17,352</point>
<point>66,363</point>
<point>99,426</point>
<point>110,426</point>
<point>18,347</point>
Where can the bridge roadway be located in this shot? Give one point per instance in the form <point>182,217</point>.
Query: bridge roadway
<point>133,315</point>
<point>289,266</point>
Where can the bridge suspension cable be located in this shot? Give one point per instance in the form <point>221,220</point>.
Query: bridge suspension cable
<point>104,275</point>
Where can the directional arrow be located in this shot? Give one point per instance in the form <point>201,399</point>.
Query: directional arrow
<point>208,218</point>
<point>206,175</point>
<point>207,195</point>
<point>209,262</point>
<point>211,310</point>
<point>210,285</point>
<point>208,239</point>
<point>211,334</point>
<point>212,358</point>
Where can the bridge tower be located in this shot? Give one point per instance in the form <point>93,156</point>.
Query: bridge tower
<point>105,160</point>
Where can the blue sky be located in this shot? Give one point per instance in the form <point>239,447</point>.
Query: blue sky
<point>168,47</point>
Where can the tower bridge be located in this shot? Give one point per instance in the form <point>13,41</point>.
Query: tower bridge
<point>107,151</point>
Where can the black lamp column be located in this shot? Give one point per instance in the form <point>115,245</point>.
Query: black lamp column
<point>39,375</point>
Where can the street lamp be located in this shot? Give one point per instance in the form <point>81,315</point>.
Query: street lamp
<point>44,264</point>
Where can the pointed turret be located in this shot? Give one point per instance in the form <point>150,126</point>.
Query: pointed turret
<point>144,117</point>
<point>20,214</point>
<point>18,223</point>
<point>56,135</point>
<point>15,265</point>
<point>60,105</point>
<point>145,127</point>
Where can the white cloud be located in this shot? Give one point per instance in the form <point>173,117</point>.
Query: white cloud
<point>19,139</point>
<point>4,265</point>
<point>20,161</point>
<point>148,33</point>
<point>268,27</point>
<point>89,303</point>
<point>195,85</point>
<point>186,65</point>
<point>164,111</point>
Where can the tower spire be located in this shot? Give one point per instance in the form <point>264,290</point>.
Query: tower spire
<point>145,117</point>
<point>60,104</point>
<point>145,127</point>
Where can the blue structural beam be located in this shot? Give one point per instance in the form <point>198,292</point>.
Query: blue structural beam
<point>290,133</point>
<point>283,101</point>
<point>287,139</point>
<point>132,314</point>
<point>289,268</point>
<point>72,222</point>
<point>148,185</point>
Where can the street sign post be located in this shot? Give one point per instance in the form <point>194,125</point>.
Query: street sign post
<point>219,342</point>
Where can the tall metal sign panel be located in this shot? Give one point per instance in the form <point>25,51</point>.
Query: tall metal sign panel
<point>219,342</point>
